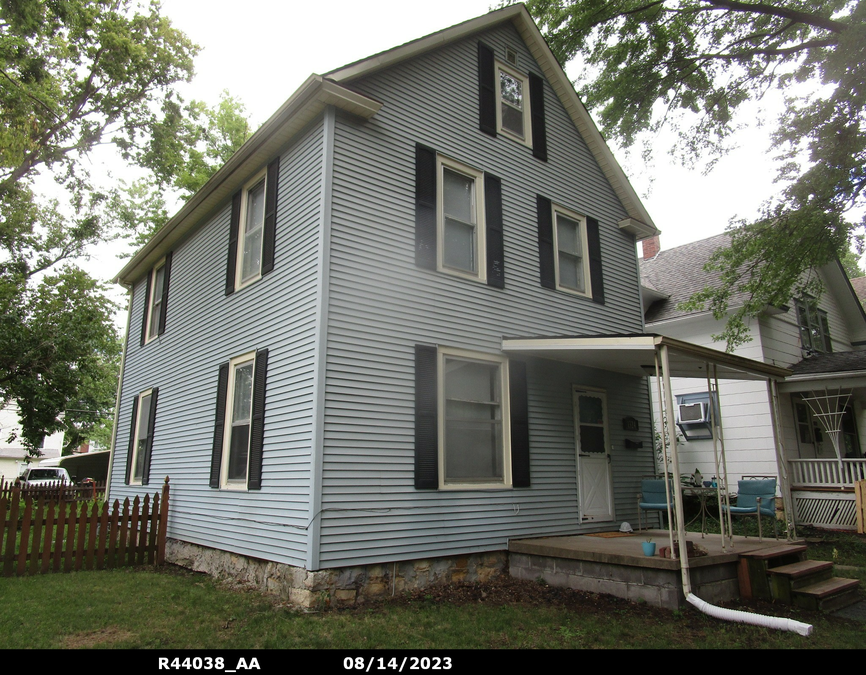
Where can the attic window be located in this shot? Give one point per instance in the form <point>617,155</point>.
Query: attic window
<point>512,113</point>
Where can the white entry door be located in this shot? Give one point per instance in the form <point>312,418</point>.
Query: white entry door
<point>594,484</point>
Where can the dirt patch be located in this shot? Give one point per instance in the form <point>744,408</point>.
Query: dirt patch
<point>96,638</point>
<point>505,590</point>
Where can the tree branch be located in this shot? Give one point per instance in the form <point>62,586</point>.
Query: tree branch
<point>771,51</point>
<point>30,96</point>
<point>782,12</point>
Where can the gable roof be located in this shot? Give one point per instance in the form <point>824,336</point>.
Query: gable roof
<point>318,91</point>
<point>679,273</point>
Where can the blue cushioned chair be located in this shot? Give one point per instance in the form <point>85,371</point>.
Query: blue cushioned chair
<point>754,497</point>
<point>652,497</point>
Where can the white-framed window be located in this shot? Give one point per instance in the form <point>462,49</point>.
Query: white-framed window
<point>155,303</point>
<point>814,326</point>
<point>474,436</point>
<point>238,422</point>
<point>461,246</point>
<point>251,231</point>
<point>512,103</point>
<point>141,440</point>
<point>570,244</point>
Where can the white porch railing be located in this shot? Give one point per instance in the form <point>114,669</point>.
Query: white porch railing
<point>826,473</point>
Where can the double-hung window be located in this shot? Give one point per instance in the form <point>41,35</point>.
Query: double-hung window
<point>461,241</point>
<point>458,219</point>
<point>141,437</point>
<point>474,440</point>
<point>572,268</point>
<point>569,251</point>
<point>252,231</point>
<point>512,104</point>
<point>471,420</point>
<point>239,424</point>
<point>814,326</point>
<point>236,452</point>
<point>156,301</point>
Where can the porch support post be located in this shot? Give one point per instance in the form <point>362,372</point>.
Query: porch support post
<point>715,426</point>
<point>724,463</point>
<point>781,462</point>
<point>663,425</point>
<point>678,493</point>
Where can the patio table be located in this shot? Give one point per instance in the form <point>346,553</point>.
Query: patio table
<point>703,494</point>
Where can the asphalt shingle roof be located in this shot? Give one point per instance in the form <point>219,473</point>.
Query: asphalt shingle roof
<point>838,362</point>
<point>679,273</point>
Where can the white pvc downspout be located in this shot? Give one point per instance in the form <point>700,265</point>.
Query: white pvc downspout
<point>703,606</point>
<point>738,616</point>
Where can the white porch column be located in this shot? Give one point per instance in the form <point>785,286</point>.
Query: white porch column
<point>781,460</point>
<point>678,493</point>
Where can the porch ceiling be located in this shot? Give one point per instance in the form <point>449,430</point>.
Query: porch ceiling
<point>633,354</point>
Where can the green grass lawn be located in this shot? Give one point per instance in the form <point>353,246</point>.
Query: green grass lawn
<point>177,609</point>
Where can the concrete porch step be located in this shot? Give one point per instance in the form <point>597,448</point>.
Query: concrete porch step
<point>827,595</point>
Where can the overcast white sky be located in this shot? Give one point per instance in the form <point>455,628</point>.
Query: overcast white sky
<point>262,50</point>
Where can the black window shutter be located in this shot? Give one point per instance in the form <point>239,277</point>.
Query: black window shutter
<point>593,241</point>
<point>131,440</point>
<point>232,259</point>
<point>219,426</point>
<point>148,446</point>
<point>545,242</point>
<point>257,424</point>
<point>539,129</point>
<point>426,425</point>
<point>519,403</point>
<point>487,89</point>
<point>493,224</point>
<point>146,307</point>
<point>425,207</point>
<point>269,232</point>
<point>166,277</point>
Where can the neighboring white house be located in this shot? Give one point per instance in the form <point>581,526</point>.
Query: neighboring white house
<point>13,455</point>
<point>819,340</point>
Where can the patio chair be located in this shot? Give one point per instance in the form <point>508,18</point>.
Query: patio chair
<point>652,497</point>
<point>756,498</point>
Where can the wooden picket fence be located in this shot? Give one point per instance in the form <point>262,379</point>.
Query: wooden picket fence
<point>54,491</point>
<point>40,535</point>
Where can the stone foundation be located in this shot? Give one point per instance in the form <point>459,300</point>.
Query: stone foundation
<point>341,587</point>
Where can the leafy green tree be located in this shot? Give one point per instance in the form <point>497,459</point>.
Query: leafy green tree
<point>197,143</point>
<point>690,65</point>
<point>74,75</point>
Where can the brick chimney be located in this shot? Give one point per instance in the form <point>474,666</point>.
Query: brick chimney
<point>651,247</point>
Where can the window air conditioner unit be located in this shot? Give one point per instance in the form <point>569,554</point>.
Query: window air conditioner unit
<point>693,412</point>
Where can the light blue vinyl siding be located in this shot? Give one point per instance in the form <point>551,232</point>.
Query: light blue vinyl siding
<point>381,305</point>
<point>206,328</point>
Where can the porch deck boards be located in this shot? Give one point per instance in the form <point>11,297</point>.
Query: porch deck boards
<point>617,566</point>
<point>627,550</point>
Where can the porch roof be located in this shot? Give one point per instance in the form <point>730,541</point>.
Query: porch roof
<point>633,354</point>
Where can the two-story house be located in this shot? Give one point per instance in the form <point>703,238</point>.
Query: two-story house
<point>321,351</point>
<point>822,405</point>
